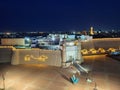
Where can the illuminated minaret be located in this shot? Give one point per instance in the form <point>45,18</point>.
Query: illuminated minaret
<point>91,31</point>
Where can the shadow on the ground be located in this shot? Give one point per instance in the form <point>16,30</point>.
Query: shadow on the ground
<point>66,77</point>
<point>116,57</point>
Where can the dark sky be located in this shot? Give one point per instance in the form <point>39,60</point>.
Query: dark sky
<point>59,15</point>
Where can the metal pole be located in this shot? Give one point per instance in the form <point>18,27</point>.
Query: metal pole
<point>3,79</point>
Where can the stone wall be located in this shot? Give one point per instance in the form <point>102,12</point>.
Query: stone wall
<point>105,43</point>
<point>37,56</point>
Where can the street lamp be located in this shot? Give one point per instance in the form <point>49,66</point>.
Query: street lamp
<point>3,81</point>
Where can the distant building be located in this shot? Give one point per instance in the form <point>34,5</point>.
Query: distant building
<point>86,37</point>
<point>91,31</point>
<point>84,32</point>
<point>15,41</point>
<point>12,41</point>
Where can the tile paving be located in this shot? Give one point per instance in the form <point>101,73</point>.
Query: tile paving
<point>104,71</point>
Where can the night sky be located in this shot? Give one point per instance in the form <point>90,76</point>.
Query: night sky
<point>59,15</point>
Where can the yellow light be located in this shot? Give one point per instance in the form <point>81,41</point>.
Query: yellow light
<point>42,58</point>
<point>27,58</point>
<point>8,33</point>
<point>111,50</point>
<point>93,51</point>
<point>101,50</point>
<point>84,51</point>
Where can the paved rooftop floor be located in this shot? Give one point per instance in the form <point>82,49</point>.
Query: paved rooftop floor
<point>104,71</point>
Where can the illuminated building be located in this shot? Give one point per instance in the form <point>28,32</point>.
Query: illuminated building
<point>12,41</point>
<point>85,38</point>
<point>15,41</point>
<point>91,31</point>
<point>70,50</point>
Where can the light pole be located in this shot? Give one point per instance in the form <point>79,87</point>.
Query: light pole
<point>3,81</point>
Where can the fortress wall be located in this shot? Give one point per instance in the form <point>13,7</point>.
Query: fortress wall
<point>87,45</point>
<point>54,57</point>
<point>37,56</point>
<point>107,43</point>
<point>50,57</point>
<point>101,43</point>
